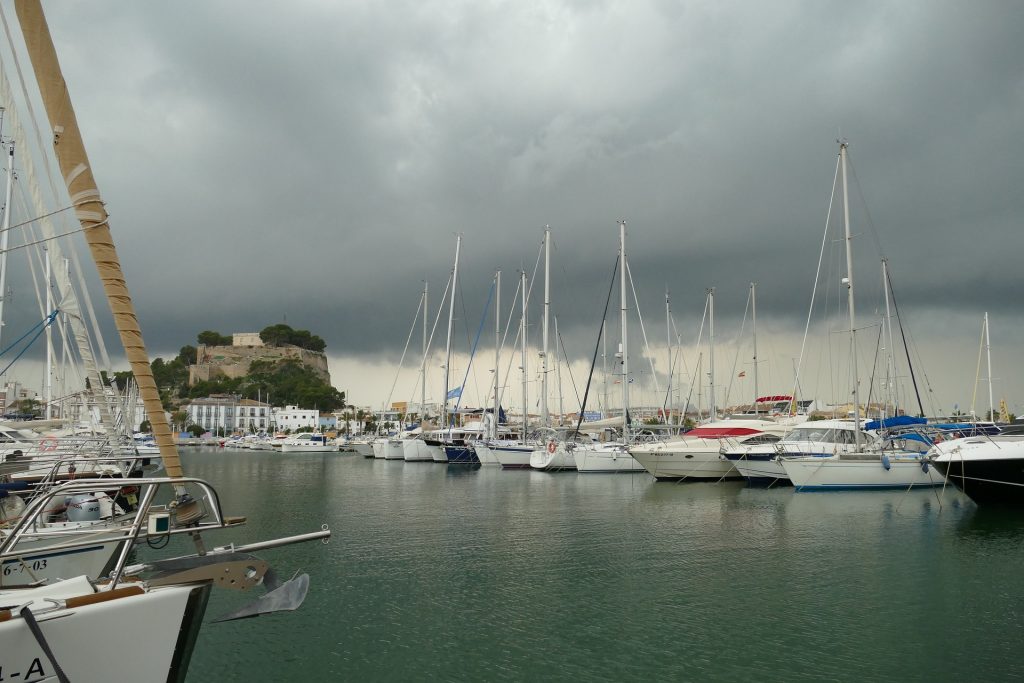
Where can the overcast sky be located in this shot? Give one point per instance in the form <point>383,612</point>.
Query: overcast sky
<point>312,162</point>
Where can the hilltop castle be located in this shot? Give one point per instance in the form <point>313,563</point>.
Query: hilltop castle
<point>214,362</point>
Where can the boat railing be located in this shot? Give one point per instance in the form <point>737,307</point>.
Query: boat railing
<point>193,512</point>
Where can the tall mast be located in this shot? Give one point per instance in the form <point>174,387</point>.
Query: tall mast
<point>712,403</point>
<point>423,365</point>
<point>890,365</point>
<point>988,354</point>
<point>89,208</point>
<point>848,281</point>
<point>448,344</point>
<point>49,340</point>
<point>753,309</point>
<point>545,418</point>
<point>625,337</point>
<point>604,364</point>
<point>558,373</point>
<point>5,237</point>
<point>497,350</point>
<point>523,358</point>
<point>668,350</point>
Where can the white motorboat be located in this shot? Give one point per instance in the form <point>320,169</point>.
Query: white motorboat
<point>696,455</point>
<point>308,442</point>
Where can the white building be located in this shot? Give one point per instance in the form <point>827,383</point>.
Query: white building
<point>291,418</point>
<point>246,339</point>
<point>227,413</point>
<point>252,416</point>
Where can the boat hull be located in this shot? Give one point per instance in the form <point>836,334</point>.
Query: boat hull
<point>415,450</point>
<point>394,450</point>
<point>460,455</point>
<point>830,474</point>
<point>989,471</point>
<point>544,458</point>
<point>81,638</point>
<point>687,461</point>
<point>516,457</point>
<point>609,460</point>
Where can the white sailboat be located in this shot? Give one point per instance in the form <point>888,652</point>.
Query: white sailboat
<point>862,467</point>
<point>614,457</point>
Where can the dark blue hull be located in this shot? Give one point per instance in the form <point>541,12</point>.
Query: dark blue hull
<point>461,455</point>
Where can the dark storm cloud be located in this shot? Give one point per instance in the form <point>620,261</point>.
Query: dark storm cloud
<point>315,159</point>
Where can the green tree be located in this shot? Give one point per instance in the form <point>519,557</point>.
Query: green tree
<point>187,354</point>
<point>27,406</point>
<point>211,338</point>
<point>195,430</point>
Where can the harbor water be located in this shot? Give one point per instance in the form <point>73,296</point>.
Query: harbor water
<point>440,572</point>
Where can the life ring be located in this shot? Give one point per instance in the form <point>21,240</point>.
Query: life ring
<point>551,447</point>
<point>48,444</point>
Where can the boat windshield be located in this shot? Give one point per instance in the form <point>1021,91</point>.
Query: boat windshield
<point>819,434</point>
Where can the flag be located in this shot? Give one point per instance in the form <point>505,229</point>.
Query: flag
<point>454,393</point>
<point>743,373</point>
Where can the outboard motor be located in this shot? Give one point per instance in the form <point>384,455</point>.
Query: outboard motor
<point>83,507</point>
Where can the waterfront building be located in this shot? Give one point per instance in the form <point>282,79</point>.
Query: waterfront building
<point>291,418</point>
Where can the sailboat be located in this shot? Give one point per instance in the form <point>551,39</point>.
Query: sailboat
<point>613,456</point>
<point>139,621</point>
<point>860,468</point>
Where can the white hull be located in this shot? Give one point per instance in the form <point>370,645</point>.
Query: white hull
<point>393,450</point>
<point>760,469</point>
<point>380,447</point>
<point>811,474</point>
<point>484,454</point>
<point>697,460</point>
<point>610,459</point>
<point>543,458</point>
<point>131,637</point>
<point>513,456</point>
<point>437,453</point>
<point>415,450</point>
<point>308,448</point>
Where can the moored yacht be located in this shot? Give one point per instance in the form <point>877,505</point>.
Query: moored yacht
<point>696,454</point>
<point>989,470</point>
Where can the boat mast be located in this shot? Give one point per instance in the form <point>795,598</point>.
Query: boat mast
<point>712,404</point>
<point>448,344</point>
<point>890,366</point>
<point>497,350</point>
<point>523,357</point>
<point>668,350</point>
<point>753,309</point>
<point>988,354</point>
<point>89,208</point>
<point>423,365</point>
<point>848,281</point>
<point>625,340</point>
<point>5,237</point>
<point>49,339</point>
<point>604,362</point>
<point>545,418</point>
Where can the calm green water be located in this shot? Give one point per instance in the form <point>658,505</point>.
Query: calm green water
<point>441,573</point>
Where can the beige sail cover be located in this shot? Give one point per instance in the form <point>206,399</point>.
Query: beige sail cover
<point>85,197</point>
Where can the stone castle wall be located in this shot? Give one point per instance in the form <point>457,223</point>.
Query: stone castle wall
<point>214,362</point>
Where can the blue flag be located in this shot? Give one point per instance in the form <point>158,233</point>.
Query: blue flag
<point>454,393</point>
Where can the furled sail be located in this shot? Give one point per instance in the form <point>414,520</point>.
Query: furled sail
<point>85,197</point>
